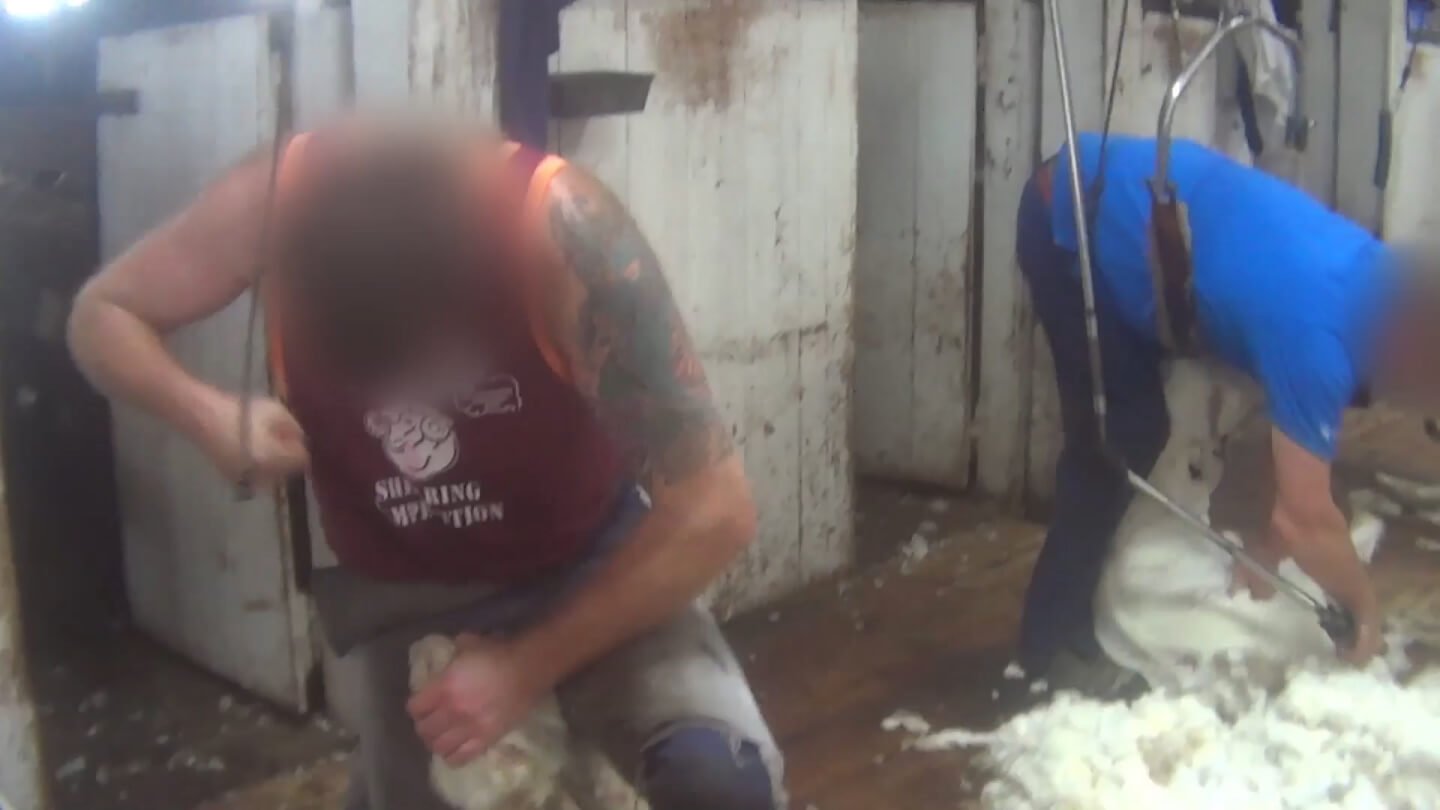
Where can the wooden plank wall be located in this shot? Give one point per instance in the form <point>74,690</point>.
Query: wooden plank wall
<point>913,285</point>
<point>1369,76</point>
<point>1086,54</point>
<point>322,66</point>
<point>1011,51</point>
<point>437,54</point>
<point>1148,68</point>
<point>742,171</point>
<point>1320,30</point>
<point>24,778</point>
<point>1412,210</point>
<point>208,576</point>
<point>381,32</point>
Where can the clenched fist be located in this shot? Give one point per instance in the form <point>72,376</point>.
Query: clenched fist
<point>277,443</point>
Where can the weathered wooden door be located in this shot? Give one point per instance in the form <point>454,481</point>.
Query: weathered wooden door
<point>742,172</point>
<point>1320,32</point>
<point>1153,51</point>
<point>22,780</point>
<point>437,54</point>
<point>1372,50</point>
<point>1412,211</point>
<point>913,275</point>
<point>207,575</point>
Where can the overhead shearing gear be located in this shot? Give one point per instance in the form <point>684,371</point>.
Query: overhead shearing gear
<point>1172,266</point>
<point>1173,288</point>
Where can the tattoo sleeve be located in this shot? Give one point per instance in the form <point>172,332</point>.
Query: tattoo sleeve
<point>630,352</point>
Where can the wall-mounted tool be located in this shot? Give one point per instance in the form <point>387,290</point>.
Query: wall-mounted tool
<point>597,93</point>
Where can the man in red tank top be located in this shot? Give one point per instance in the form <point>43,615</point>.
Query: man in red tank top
<point>509,435</point>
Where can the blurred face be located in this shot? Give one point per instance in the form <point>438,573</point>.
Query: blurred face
<point>409,336</point>
<point>1409,373</point>
<point>383,255</point>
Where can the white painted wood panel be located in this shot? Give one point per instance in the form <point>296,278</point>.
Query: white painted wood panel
<point>1085,50</point>
<point>322,66</point>
<point>207,575</point>
<point>1085,27</point>
<point>426,54</point>
<point>1147,71</point>
<point>1322,96</point>
<point>1366,82</point>
<point>595,38</point>
<point>1412,208</point>
<point>381,32</point>
<point>1012,60</point>
<point>822,86</point>
<point>742,173</point>
<point>913,359</point>
<point>24,779</point>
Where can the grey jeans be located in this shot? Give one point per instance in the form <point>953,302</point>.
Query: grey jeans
<point>674,680</point>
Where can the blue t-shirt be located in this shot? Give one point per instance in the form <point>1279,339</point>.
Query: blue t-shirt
<point>1286,290</point>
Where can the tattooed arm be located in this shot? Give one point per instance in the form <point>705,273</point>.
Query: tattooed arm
<point>628,351</point>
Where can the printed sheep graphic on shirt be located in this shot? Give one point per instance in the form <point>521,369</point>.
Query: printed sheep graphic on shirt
<point>494,395</point>
<point>419,440</point>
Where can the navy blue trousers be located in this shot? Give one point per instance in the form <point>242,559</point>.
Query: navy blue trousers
<point>699,768</point>
<point>1091,494</point>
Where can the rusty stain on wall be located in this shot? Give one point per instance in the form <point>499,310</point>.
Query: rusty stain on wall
<point>1420,65</point>
<point>699,48</point>
<point>1193,36</point>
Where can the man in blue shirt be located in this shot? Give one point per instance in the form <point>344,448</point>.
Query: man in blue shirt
<point>1313,308</point>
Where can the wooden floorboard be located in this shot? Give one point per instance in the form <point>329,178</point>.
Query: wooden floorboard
<point>831,663</point>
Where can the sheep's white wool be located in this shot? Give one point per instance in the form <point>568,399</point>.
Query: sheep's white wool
<point>534,767</point>
<point>1416,492</point>
<point>1331,737</point>
<point>1235,723</point>
<point>908,722</point>
<point>1164,602</point>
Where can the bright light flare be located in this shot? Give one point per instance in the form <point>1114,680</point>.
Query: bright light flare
<point>38,9</point>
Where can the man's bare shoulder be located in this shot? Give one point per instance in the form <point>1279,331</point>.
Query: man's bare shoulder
<point>632,355</point>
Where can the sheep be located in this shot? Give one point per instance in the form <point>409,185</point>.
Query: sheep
<point>534,767</point>
<point>1164,602</point>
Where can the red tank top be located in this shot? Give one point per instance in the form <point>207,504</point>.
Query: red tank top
<point>498,475</point>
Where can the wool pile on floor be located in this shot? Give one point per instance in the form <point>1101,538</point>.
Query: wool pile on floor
<point>1320,736</point>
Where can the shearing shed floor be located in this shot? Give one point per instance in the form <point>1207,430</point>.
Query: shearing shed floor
<point>926,628</point>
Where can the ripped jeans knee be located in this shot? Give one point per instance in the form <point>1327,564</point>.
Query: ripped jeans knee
<point>704,768</point>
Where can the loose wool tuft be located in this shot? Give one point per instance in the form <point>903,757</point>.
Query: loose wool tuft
<point>1330,737</point>
<point>1251,710</point>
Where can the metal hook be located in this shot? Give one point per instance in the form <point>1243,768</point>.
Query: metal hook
<point>1297,127</point>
